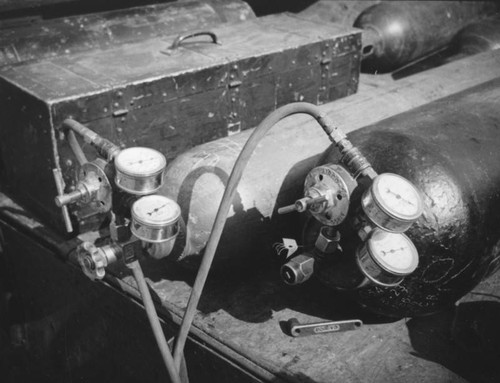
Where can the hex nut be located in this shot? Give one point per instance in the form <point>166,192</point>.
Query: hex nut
<point>327,241</point>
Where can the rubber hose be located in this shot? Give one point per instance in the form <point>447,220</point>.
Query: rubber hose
<point>155,322</point>
<point>333,133</point>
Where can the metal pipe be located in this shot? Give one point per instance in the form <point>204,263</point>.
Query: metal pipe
<point>105,147</point>
<point>76,148</point>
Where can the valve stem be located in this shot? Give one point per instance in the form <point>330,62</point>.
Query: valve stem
<point>301,205</point>
<point>60,191</point>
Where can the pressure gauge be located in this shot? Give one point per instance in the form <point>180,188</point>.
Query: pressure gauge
<point>392,203</point>
<point>139,170</point>
<point>155,218</point>
<point>386,258</point>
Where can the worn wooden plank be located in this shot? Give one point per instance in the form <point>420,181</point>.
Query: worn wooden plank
<point>68,322</point>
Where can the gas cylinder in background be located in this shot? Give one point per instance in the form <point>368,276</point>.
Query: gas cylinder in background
<point>336,11</point>
<point>449,150</point>
<point>399,32</point>
<point>481,36</point>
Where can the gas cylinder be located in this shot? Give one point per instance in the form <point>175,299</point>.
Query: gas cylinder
<point>479,37</point>
<point>196,181</point>
<point>399,32</point>
<point>273,178</point>
<point>449,150</point>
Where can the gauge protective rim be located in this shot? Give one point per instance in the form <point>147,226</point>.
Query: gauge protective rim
<point>386,209</point>
<point>171,221</point>
<point>383,265</point>
<point>119,167</point>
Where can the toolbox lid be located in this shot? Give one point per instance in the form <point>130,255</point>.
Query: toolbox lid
<point>100,70</point>
<point>28,38</point>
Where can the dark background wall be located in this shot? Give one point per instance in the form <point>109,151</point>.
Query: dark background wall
<point>59,8</point>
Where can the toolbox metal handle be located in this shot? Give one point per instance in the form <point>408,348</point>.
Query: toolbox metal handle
<point>177,42</point>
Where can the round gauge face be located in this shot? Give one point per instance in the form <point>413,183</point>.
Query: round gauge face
<point>140,161</point>
<point>394,252</point>
<point>155,210</point>
<point>397,196</point>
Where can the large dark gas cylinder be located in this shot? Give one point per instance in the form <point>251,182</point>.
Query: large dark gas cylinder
<point>274,176</point>
<point>450,150</point>
<point>397,33</point>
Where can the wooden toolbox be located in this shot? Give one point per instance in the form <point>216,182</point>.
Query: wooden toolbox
<point>165,95</point>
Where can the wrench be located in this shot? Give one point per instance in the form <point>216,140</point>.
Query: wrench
<point>297,329</point>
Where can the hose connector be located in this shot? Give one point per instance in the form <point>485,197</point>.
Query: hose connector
<point>354,161</point>
<point>93,260</point>
<point>298,270</point>
<point>334,133</point>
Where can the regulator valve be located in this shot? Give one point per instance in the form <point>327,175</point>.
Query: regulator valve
<point>93,188</point>
<point>327,191</point>
<point>93,260</point>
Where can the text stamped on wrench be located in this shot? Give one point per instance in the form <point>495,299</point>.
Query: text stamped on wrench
<point>297,329</point>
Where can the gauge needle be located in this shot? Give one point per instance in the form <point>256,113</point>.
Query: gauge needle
<point>398,196</point>
<point>392,251</point>
<point>156,210</point>
<point>141,161</point>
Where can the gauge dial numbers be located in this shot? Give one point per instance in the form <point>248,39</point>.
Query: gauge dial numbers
<point>392,203</point>
<point>139,170</point>
<point>385,258</point>
<point>155,218</point>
